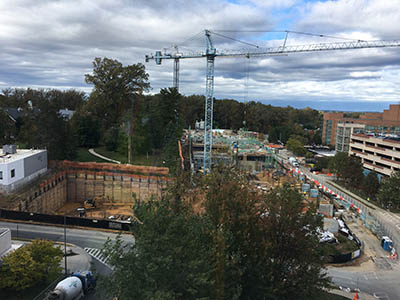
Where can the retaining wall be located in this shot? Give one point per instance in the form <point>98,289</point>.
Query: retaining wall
<point>76,182</point>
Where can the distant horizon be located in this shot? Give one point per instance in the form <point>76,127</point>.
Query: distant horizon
<point>340,106</point>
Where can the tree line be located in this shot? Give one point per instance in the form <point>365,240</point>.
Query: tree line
<point>349,172</point>
<point>120,115</point>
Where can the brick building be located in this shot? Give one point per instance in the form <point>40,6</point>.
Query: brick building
<point>386,122</point>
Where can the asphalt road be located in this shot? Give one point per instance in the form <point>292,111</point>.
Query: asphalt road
<point>380,284</point>
<point>80,237</point>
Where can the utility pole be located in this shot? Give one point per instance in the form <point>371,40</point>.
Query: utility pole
<point>65,246</point>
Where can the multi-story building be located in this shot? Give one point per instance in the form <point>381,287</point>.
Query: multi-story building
<point>386,122</point>
<point>377,153</point>
<point>343,135</point>
<point>20,166</point>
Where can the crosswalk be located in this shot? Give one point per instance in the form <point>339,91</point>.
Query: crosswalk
<point>96,253</point>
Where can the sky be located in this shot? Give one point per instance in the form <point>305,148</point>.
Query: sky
<point>52,44</point>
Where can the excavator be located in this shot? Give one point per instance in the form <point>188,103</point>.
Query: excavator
<point>90,203</point>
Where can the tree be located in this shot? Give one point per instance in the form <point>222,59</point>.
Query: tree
<point>115,88</point>
<point>87,128</point>
<point>46,257</point>
<point>47,129</point>
<point>296,146</point>
<point>7,128</point>
<point>30,265</point>
<point>219,240</point>
<point>389,191</point>
<point>322,162</point>
<point>170,258</point>
<point>268,245</point>
<point>347,168</point>
<point>371,184</point>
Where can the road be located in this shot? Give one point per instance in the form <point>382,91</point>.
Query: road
<point>381,284</point>
<point>80,237</point>
<point>382,280</point>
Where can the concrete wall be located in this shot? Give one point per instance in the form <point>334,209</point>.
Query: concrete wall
<point>48,198</point>
<point>73,184</point>
<point>18,167</point>
<point>5,240</point>
<point>112,186</point>
<point>34,163</point>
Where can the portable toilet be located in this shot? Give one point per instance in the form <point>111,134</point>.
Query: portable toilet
<point>305,187</point>
<point>314,193</point>
<point>386,243</point>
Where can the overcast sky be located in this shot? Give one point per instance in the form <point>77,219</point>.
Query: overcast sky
<point>52,43</point>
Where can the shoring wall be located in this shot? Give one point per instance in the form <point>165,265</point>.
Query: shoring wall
<point>49,197</point>
<point>76,182</point>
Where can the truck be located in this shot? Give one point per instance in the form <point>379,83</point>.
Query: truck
<point>293,162</point>
<point>74,287</point>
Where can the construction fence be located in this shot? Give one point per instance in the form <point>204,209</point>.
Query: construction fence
<point>64,220</point>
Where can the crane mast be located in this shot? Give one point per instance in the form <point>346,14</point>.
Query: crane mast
<point>209,107</point>
<point>211,52</point>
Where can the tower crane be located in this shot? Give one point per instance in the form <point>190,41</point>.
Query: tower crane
<point>211,52</point>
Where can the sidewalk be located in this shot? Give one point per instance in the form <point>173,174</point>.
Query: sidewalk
<point>91,151</point>
<point>350,295</point>
<point>77,259</point>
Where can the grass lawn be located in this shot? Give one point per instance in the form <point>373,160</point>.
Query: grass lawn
<point>85,156</point>
<point>144,160</point>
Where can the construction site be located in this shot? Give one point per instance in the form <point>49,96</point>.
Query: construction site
<point>93,190</point>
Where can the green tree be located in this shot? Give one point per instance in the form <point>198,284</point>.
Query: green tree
<point>371,184</point>
<point>347,168</point>
<point>46,257</point>
<point>296,146</point>
<point>220,240</point>
<point>43,127</point>
<point>7,128</point>
<point>30,265</point>
<point>87,128</point>
<point>389,191</point>
<point>171,257</point>
<point>115,88</point>
<point>267,245</point>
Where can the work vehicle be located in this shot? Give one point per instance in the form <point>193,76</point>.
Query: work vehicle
<point>74,287</point>
<point>89,203</point>
<point>293,162</point>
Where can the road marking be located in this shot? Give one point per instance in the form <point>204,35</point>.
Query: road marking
<point>96,253</point>
<point>370,275</point>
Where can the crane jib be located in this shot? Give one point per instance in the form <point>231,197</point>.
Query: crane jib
<point>211,52</point>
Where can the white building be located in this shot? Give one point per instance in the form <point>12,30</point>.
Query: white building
<point>6,244</point>
<point>343,133</point>
<point>20,166</point>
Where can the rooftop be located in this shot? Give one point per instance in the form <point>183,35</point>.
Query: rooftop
<point>21,154</point>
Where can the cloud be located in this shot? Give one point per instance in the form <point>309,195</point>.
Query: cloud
<point>49,43</point>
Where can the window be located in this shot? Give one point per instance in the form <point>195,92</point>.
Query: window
<point>1,175</point>
<point>12,173</point>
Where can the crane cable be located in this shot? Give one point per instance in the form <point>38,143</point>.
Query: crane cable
<point>292,31</point>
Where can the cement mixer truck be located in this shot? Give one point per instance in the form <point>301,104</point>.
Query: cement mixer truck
<point>74,287</point>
